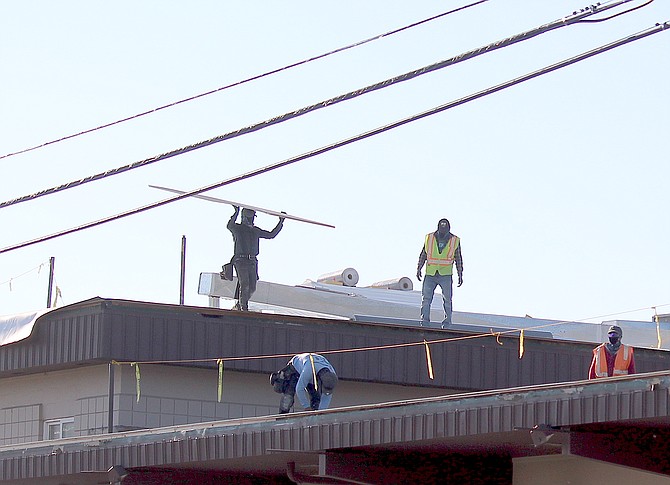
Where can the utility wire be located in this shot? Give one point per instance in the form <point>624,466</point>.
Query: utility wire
<point>617,14</point>
<point>480,94</point>
<point>36,268</point>
<point>253,78</point>
<point>571,19</point>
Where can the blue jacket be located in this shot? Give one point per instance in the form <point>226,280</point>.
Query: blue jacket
<point>303,365</point>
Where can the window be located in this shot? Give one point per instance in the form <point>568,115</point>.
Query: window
<point>58,428</point>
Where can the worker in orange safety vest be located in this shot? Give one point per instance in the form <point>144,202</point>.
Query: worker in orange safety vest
<point>612,358</point>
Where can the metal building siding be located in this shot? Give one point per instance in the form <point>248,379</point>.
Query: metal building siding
<point>414,421</point>
<point>101,330</point>
<point>57,339</point>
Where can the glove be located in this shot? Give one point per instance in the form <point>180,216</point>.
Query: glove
<point>418,274</point>
<point>460,280</point>
<point>237,209</point>
<point>282,218</point>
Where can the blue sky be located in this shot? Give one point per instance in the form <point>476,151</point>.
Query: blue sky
<point>556,186</point>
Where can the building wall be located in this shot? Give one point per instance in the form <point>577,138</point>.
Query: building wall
<point>168,395</point>
<point>20,424</point>
<point>100,331</point>
<point>26,402</point>
<point>575,470</point>
<point>172,395</point>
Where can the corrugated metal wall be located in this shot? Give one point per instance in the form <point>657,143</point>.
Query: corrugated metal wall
<point>60,338</point>
<point>417,423</point>
<point>102,330</point>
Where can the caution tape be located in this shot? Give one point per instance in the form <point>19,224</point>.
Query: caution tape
<point>311,359</point>
<point>137,379</point>
<point>429,360</point>
<point>220,384</point>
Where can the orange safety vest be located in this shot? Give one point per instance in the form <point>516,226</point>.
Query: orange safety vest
<point>440,262</point>
<point>621,361</point>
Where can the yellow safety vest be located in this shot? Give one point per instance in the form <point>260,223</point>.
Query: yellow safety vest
<point>621,361</point>
<point>440,262</point>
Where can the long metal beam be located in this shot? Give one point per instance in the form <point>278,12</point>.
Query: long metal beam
<point>245,206</point>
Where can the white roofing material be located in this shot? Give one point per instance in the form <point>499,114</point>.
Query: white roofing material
<point>345,277</point>
<point>17,327</point>
<point>352,302</point>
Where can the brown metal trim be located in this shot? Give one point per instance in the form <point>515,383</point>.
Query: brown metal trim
<point>100,330</point>
<point>432,422</point>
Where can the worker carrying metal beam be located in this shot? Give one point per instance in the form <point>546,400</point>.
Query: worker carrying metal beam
<point>246,237</point>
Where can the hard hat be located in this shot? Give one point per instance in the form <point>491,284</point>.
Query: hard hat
<point>328,382</point>
<point>248,213</point>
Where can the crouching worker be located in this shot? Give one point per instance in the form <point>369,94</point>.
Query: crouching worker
<point>311,377</point>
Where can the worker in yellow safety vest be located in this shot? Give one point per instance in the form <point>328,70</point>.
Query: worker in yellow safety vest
<point>612,358</point>
<point>440,251</point>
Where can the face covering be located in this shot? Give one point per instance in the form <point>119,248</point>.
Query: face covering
<point>614,339</point>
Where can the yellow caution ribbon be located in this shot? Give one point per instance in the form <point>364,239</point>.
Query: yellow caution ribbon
<point>220,385</point>
<point>311,359</point>
<point>57,293</point>
<point>137,378</point>
<point>658,329</point>
<point>429,359</point>
<point>521,343</point>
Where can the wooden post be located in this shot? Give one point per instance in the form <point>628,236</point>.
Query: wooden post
<point>110,400</point>
<point>182,280</point>
<point>52,262</point>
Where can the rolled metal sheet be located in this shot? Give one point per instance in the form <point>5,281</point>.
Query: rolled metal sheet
<point>345,277</point>
<point>403,283</point>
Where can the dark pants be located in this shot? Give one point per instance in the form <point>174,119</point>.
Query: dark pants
<point>288,398</point>
<point>247,276</point>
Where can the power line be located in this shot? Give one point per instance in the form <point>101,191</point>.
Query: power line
<point>480,94</point>
<point>618,14</point>
<point>244,81</point>
<point>36,268</point>
<point>571,19</point>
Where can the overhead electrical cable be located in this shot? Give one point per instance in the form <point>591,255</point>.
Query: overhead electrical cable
<point>247,80</point>
<point>592,21</point>
<point>571,19</point>
<point>480,94</point>
<point>36,268</point>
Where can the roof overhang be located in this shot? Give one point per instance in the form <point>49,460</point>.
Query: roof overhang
<point>576,417</point>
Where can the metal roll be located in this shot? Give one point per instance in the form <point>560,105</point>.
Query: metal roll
<point>345,277</point>
<point>403,283</point>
